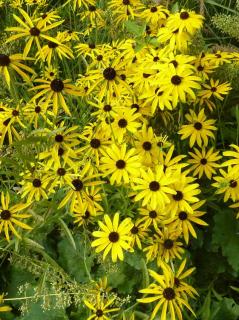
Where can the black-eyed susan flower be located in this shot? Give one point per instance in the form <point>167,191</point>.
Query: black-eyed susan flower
<point>149,217</point>
<point>119,164</point>
<point>123,10</point>
<point>228,183</point>
<point>125,121</point>
<point>53,91</point>
<point>179,82</point>
<point>169,297</point>
<point>155,15</point>
<point>157,99</point>
<point>174,38</point>
<point>14,62</point>
<point>4,308</point>
<point>214,89</point>
<point>93,15</point>
<point>184,220</point>
<point>154,187</point>
<point>199,128</point>
<point>185,192</point>
<point>185,20</point>
<point>52,50</point>
<point>114,237</point>
<point>75,189</point>
<point>32,29</point>
<point>10,216</point>
<point>204,162</point>
<point>80,3</point>
<point>100,308</point>
<point>37,114</point>
<point>138,234</point>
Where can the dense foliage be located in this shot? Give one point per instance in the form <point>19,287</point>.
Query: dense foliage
<point>119,160</point>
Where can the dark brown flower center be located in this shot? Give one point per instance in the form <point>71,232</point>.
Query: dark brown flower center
<point>35,32</point>
<point>126,2</point>
<point>200,68</point>
<point>135,106</point>
<point>114,236</point>
<point>183,215</point>
<point>169,293</point>
<point>120,164</point>
<point>198,125</point>
<point>122,123</point>
<point>78,184</point>
<point>134,230</point>
<point>59,138</point>
<point>6,122</point>
<point>184,15</point>
<point>95,143</point>
<point>203,161</point>
<point>176,80</point>
<point>154,9</point>
<point>87,215</point>
<point>92,8</point>
<point>146,75</point>
<point>38,109</point>
<point>233,184</point>
<point>91,45</point>
<point>52,45</point>
<point>147,145</point>
<point>155,59</point>
<point>168,244</point>
<point>99,57</point>
<point>5,215</point>
<point>15,113</point>
<point>154,186</point>
<point>4,60</point>
<point>61,171</point>
<point>36,183</point>
<point>178,196</point>
<point>57,85</point>
<point>152,214</point>
<point>176,282</point>
<point>213,89</point>
<point>107,108</point>
<point>109,73</point>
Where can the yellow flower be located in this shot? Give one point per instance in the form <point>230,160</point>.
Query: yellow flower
<point>184,220</point>
<point>14,62</point>
<point>184,195</point>
<point>234,154</point>
<point>156,15</point>
<point>100,308</point>
<point>198,129</point>
<point>150,217</point>
<point>10,215</point>
<point>228,184</point>
<point>169,162</point>
<point>204,162</point>
<point>37,113</point>
<point>80,3</point>
<point>33,29</point>
<point>214,89</point>
<point>114,237</point>
<point>54,91</point>
<point>120,164</point>
<point>170,298</point>
<point>153,187</point>
<point>185,20</point>
<point>137,233</point>
<point>179,82</point>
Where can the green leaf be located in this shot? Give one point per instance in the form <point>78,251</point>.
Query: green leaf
<point>226,236</point>
<point>134,28</point>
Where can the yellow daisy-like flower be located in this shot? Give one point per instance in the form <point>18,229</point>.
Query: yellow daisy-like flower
<point>120,164</point>
<point>33,29</point>
<point>199,128</point>
<point>214,89</point>
<point>153,187</point>
<point>187,21</point>
<point>179,82</point>
<point>125,121</point>
<point>204,162</point>
<point>100,308</point>
<point>80,3</point>
<point>10,215</point>
<point>156,15</point>
<point>149,217</point>
<point>4,308</point>
<point>170,297</point>
<point>228,184</point>
<point>14,62</point>
<point>185,193</point>
<point>184,221</point>
<point>169,162</point>
<point>114,237</point>
<point>137,233</point>
<point>177,40</point>
<point>54,91</point>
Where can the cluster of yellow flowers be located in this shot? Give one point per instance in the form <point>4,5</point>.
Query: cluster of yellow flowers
<point>117,89</point>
